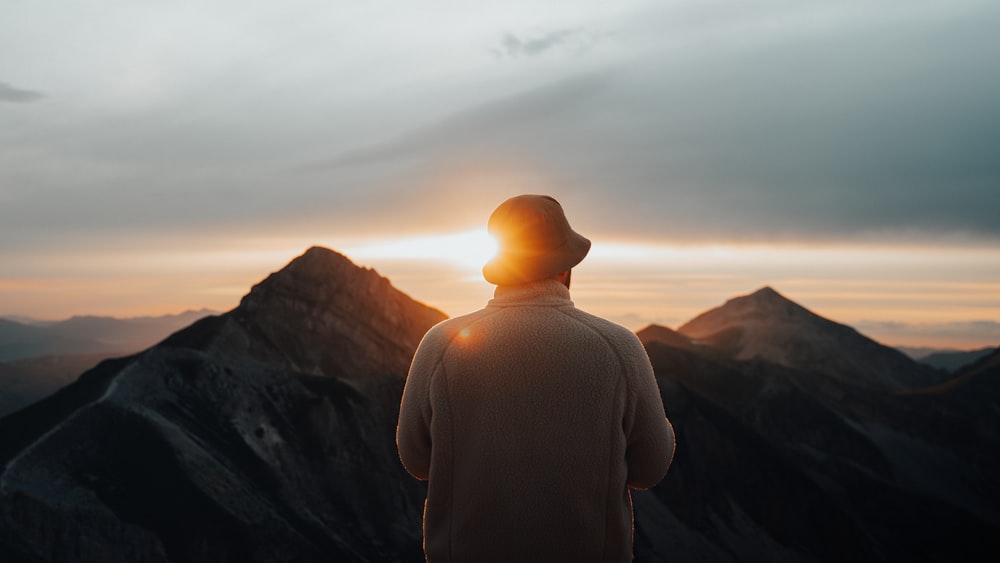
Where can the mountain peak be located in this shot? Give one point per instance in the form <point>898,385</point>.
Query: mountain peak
<point>769,326</point>
<point>318,260</point>
<point>323,314</point>
<point>315,255</point>
<point>764,304</point>
<point>767,292</point>
<point>276,417</point>
<point>313,278</point>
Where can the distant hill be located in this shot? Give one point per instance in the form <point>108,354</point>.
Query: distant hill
<point>921,352</point>
<point>952,361</point>
<point>977,384</point>
<point>36,358</point>
<point>88,334</point>
<point>25,381</point>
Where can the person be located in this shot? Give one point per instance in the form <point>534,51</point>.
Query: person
<point>531,419</point>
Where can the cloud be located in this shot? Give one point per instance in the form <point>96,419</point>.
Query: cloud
<point>859,129</point>
<point>513,46</point>
<point>498,124</point>
<point>9,93</point>
<point>721,125</point>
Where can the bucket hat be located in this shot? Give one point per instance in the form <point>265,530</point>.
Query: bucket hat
<point>534,241</point>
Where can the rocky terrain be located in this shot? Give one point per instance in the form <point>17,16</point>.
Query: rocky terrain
<point>783,460</point>
<point>265,434</point>
<point>37,358</point>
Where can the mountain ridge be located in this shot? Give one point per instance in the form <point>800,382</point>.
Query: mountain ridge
<point>37,359</point>
<point>89,334</point>
<point>231,439</point>
<point>266,434</point>
<point>767,325</point>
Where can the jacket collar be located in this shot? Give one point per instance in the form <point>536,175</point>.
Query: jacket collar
<point>550,293</point>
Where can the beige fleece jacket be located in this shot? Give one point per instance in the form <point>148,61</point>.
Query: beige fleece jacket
<point>531,418</point>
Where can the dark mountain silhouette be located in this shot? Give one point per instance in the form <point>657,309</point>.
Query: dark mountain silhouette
<point>88,335</point>
<point>263,434</point>
<point>768,326</point>
<point>25,381</point>
<point>266,434</point>
<point>920,352</point>
<point>972,399</point>
<point>37,359</point>
<point>954,360</point>
<point>792,455</point>
<point>981,377</point>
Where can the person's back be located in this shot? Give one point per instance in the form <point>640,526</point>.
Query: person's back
<point>530,418</point>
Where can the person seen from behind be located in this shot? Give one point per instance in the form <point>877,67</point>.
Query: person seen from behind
<point>530,418</point>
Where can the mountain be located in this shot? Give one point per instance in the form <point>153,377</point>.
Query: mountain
<point>267,434</point>
<point>801,440</point>
<point>13,333</point>
<point>920,352</point>
<point>38,358</point>
<point>88,335</point>
<point>775,463</point>
<point>951,361</point>
<point>262,434</point>
<point>768,326</point>
<point>25,381</point>
<point>980,378</point>
<point>975,389</point>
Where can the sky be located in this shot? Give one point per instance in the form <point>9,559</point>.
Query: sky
<point>162,156</point>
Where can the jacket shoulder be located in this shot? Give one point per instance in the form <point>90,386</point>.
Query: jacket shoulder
<point>622,341</point>
<point>444,332</point>
<point>613,332</point>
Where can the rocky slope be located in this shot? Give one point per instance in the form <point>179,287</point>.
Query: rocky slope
<point>780,460</point>
<point>266,434</point>
<point>263,434</point>
<point>768,326</point>
<point>38,358</point>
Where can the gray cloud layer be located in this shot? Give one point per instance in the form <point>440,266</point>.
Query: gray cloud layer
<point>830,137</point>
<point>514,46</point>
<point>9,93</point>
<point>789,121</point>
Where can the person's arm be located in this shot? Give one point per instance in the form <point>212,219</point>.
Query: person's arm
<point>649,435</point>
<point>413,431</point>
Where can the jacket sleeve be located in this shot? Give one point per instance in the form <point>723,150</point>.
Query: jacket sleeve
<point>649,435</point>
<point>413,430</point>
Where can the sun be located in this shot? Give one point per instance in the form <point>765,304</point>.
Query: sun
<point>468,250</point>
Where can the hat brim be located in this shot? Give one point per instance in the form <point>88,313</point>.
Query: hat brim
<point>515,268</point>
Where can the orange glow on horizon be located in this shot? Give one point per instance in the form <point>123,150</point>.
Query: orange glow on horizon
<point>467,249</point>
<point>634,283</point>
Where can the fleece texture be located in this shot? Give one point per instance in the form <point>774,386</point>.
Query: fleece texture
<point>531,419</point>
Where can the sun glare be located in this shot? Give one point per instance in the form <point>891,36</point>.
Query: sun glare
<point>467,249</point>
